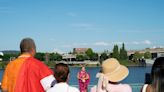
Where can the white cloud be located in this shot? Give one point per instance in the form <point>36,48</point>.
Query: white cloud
<point>75,45</point>
<point>106,44</point>
<point>80,44</point>
<point>101,44</point>
<point>158,47</point>
<point>84,44</point>
<point>118,43</point>
<point>58,51</point>
<point>147,42</point>
<point>135,42</point>
<point>154,47</point>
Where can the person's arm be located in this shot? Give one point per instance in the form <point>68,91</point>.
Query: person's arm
<point>47,82</point>
<point>78,76</point>
<point>46,76</point>
<point>87,77</point>
<point>99,84</point>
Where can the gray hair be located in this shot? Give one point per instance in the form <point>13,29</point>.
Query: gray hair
<point>27,44</point>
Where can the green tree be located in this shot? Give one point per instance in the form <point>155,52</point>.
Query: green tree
<point>1,56</point>
<point>123,53</point>
<point>147,55</point>
<point>137,55</point>
<point>90,53</point>
<point>70,52</point>
<point>103,56</point>
<point>80,57</point>
<point>94,57</point>
<point>115,53</point>
<point>55,57</point>
<point>7,57</point>
<point>3,65</point>
<point>40,56</point>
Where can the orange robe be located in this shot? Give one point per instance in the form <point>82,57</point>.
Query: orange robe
<point>26,74</point>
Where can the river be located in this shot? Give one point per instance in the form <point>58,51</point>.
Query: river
<point>136,77</point>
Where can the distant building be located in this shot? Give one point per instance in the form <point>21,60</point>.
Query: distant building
<point>68,57</point>
<point>47,57</point>
<point>155,52</point>
<point>1,55</point>
<point>80,50</point>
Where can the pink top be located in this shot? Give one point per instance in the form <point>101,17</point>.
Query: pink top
<point>104,86</point>
<point>82,74</point>
<point>114,88</point>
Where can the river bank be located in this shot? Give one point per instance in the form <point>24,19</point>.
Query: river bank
<point>51,64</point>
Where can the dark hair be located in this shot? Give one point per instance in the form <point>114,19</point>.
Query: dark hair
<point>61,72</point>
<point>157,75</point>
<point>27,44</point>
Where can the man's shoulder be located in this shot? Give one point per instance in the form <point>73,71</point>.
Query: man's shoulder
<point>37,64</point>
<point>14,62</point>
<point>35,61</point>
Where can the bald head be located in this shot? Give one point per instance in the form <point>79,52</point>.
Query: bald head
<point>27,45</point>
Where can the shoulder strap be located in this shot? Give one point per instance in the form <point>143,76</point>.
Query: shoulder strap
<point>144,88</point>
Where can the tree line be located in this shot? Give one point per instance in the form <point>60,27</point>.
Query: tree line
<point>118,53</point>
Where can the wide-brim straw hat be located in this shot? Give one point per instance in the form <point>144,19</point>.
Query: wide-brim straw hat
<point>113,70</point>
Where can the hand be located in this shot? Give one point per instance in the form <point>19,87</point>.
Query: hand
<point>83,80</point>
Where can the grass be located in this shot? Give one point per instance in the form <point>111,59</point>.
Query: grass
<point>128,63</point>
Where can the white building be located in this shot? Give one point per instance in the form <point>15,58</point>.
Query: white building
<point>1,54</point>
<point>68,57</point>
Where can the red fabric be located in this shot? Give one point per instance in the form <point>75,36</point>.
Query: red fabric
<point>83,85</point>
<point>31,73</point>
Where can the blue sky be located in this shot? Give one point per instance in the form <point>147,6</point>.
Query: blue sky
<point>60,25</point>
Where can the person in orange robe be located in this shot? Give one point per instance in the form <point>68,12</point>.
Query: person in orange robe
<point>27,74</point>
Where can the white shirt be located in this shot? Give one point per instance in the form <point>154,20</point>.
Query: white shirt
<point>113,88</point>
<point>63,87</point>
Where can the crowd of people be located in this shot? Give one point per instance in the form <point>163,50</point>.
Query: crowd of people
<point>27,74</point>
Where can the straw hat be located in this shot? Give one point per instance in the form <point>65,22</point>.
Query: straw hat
<point>113,70</point>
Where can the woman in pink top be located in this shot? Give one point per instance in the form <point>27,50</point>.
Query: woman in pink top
<point>83,78</point>
<point>112,74</point>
